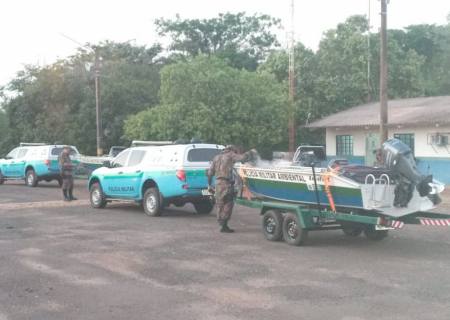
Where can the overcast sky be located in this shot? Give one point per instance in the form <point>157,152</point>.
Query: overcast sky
<point>31,30</point>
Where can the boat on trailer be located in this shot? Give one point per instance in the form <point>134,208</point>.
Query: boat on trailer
<point>395,189</point>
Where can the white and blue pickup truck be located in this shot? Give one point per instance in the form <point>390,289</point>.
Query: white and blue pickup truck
<point>156,176</point>
<point>33,163</point>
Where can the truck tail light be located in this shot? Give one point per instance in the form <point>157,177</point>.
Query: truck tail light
<point>181,175</point>
<point>47,162</point>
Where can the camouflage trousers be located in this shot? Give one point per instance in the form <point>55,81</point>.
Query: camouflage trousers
<point>67,182</point>
<point>224,200</point>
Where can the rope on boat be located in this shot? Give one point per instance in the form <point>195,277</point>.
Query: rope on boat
<point>327,183</point>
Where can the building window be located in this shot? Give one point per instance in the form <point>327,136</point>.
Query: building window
<point>344,145</point>
<point>406,138</point>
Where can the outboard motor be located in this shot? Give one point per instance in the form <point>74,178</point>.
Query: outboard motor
<point>398,158</point>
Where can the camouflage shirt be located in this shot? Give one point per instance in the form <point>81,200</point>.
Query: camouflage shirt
<point>222,165</point>
<point>65,164</point>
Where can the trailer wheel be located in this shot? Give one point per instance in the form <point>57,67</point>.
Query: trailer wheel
<point>272,225</point>
<point>351,229</point>
<point>293,233</point>
<point>375,235</point>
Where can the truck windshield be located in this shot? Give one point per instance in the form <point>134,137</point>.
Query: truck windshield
<point>202,154</point>
<point>56,151</point>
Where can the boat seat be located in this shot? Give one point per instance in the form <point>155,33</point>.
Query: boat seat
<point>359,173</point>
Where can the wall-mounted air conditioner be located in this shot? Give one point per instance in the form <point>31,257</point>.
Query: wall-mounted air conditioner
<point>439,140</point>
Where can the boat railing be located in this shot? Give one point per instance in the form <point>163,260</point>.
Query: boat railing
<point>380,196</point>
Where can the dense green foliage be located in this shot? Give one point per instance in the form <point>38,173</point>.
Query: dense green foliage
<point>207,99</point>
<point>57,103</point>
<point>243,41</point>
<point>222,80</point>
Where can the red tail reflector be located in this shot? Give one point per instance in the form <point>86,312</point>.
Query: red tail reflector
<point>181,175</point>
<point>47,162</point>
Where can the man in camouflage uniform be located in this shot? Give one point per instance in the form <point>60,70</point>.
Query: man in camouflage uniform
<point>222,169</point>
<point>66,168</point>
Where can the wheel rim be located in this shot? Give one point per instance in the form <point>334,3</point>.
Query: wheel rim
<point>151,203</point>
<point>96,196</point>
<point>270,225</point>
<point>292,229</point>
<point>30,179</point>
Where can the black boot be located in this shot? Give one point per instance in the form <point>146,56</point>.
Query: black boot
<point>71,197</point>
<point>225,228</point>
<point>66,197</point>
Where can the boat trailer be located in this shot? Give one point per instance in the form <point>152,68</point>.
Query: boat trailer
<point>292,222</point>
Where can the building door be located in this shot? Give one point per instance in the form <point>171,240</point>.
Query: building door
<point>372,144</point>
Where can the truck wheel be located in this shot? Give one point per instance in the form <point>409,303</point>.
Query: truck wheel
<point>152,202</point>
<point>2,178</point>
<point>97,197</point>
<point>272,225</point>
<point>293,233</point>
<point>203,207</point>
<point>375,235</point>
<point>30,178</point>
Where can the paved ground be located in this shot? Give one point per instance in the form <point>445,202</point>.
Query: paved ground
<point>68,261</point>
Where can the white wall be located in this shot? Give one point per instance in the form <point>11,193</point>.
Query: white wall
<point>421,137</point>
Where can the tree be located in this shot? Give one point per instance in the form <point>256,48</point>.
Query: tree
<point>57,102</point>
<point>204,98</point>
<point>244,41</point>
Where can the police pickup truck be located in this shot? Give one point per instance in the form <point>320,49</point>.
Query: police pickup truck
<point>34,162</point>
<point>156,176</point>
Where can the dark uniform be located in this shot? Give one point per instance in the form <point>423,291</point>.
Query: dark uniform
<point>222,169</point>
<point>66,168</point>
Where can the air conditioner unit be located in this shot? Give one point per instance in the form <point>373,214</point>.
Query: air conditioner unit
<point>439,140</point>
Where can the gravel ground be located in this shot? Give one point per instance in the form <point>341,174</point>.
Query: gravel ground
<point>68,261</point>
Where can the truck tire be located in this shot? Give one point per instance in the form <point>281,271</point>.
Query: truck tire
<point>31,178</point>
<point>152,202</point>
<point>2,178</point>
<point>96,196</point>
<point>293,233</point>
<point>375,235</point>
<point>272,225</point>
<point>203,207</point>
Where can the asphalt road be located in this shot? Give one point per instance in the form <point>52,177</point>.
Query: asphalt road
<point>68,261</point>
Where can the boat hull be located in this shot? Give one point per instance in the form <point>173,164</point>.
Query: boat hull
<point>302,185</point>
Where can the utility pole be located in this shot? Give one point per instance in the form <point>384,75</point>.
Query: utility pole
<point>98,110</point>
<point>291,123</point>
<point>383,74</point>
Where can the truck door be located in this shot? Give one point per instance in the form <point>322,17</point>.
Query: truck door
<point>114,179</point>
<point>133,174</point>
<point>10,157</point>
<point>17,165</point>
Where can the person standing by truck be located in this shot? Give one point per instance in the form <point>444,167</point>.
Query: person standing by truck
<point>222,169</point>
<point>66,168</point>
